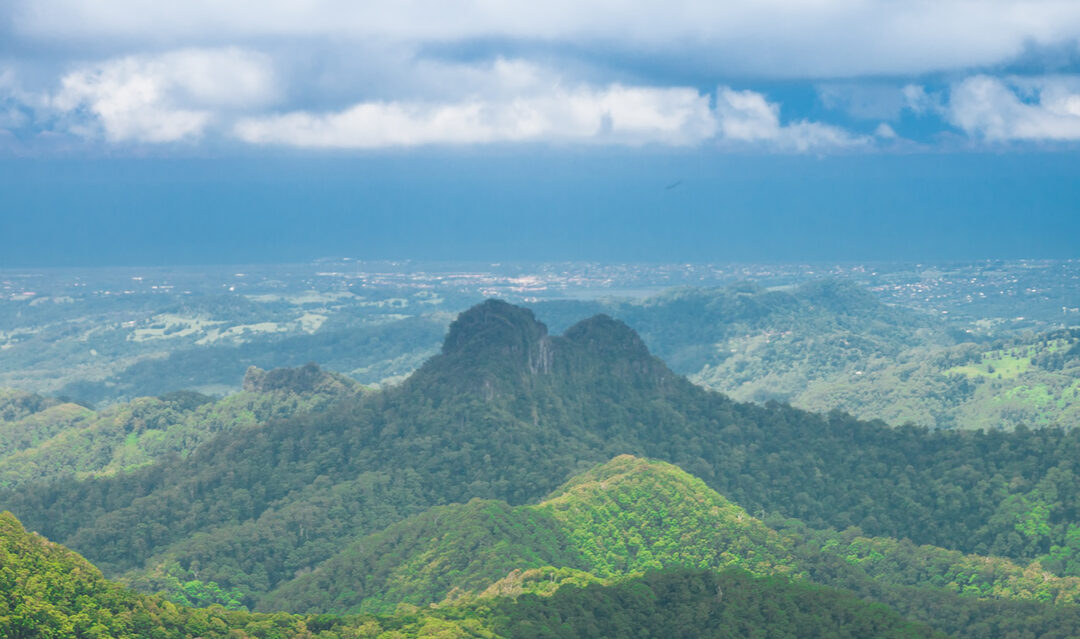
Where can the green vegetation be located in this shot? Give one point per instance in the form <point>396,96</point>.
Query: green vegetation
<point>444,552</point>
<point>30,429</point>
<point>304,493</point>
<point>996,365</point>
<point>625,517</point>
<point>832,345</point>
<point>47,591</point>
<point>65,439</point>
<point>1027,381</point>
<point>507,412</point>
<point>701,604</point>
<point>15,405</point>
<point>630,517</point>
<point>758,344</point>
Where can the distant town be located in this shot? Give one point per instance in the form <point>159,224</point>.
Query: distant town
<point>1039,292</point>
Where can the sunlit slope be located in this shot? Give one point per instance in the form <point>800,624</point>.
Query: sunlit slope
<point>626,516</point>
<point>48,591</point>
<point>65,440</point>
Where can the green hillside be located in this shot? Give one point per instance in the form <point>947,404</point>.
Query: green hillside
<point>507,412</point>
<point>47,591</point>
<point>1031,381</point>
<point>16,404</point>
<point>31,429</point>
<point>62,440</point>
<point>631,516</point>
<point>625,517</point>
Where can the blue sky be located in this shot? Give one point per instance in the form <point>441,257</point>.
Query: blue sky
<point>207,131</point>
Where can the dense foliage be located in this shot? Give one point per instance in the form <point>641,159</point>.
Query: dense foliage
<point>46,592</point>
<point>624,517</point>
<point>508,412</point>
<point>630,516</point>
<point>49,592</point>
<point>61,440</point>
<point>701,604</point>
<point>28,423</point>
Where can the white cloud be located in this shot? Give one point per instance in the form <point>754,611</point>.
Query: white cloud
<point>885,131</point>
<point>1035,109</point>
<point>611,115</point>
<point>182,95</point>
<point>516,101</point>
<point>801,38</point>
<point>164,98</point>
<point>747,117</point>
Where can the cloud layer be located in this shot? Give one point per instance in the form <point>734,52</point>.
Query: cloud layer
<point>615,114</point>
<point>734,76</point>
<point>820,38</point>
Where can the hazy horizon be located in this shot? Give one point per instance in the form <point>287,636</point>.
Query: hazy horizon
<point>546,206</point>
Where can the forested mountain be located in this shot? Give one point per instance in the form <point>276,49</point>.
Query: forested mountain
<point>626,517</point>
<point>640,514</point>
<point>49,591</point>
<point>508,412</point>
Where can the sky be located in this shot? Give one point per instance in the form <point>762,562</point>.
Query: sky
<point>194,131</point>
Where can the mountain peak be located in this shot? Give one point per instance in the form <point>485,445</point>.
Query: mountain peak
<point>628,468</point>
<point>604,334</point>
<point>490,348</point>
<point>625,513</point>
<point>494,324</point>
<point>498,349</point>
